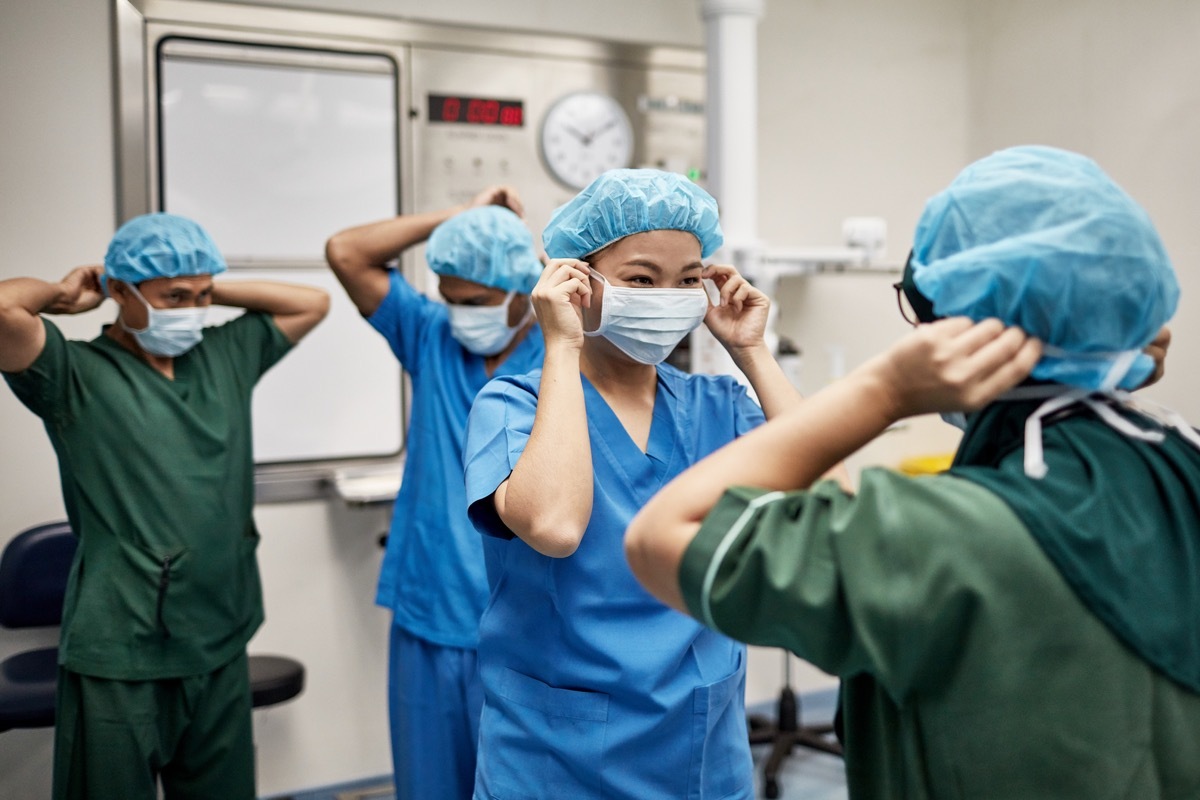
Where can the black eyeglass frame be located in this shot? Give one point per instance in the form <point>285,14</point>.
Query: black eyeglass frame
<point>906,310</point>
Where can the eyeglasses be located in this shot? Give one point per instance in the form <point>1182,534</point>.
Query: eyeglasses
<point>906,309</point>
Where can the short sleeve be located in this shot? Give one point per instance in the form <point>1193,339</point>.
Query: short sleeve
<point>251,343</point>
<point>41,387</point>
<point>402,319</point>
<point>885,582</point>
<point>498,428</point>
<point>748,414</point>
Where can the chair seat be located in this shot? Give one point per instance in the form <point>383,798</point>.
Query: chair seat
<point>27,686</point>
<point>274,679</point>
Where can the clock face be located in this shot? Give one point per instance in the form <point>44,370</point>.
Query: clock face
<point>584,134</point>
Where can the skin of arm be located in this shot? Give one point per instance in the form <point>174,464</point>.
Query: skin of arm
<point>739,323</point>
<point>295,309</point>
<point>547,500</point>
<point>22,335</point>
<point>359,255</point>
<point>949,365</point>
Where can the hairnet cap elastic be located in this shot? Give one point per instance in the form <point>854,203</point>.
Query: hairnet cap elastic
<point>1043,239</point>
<point>161,246</point>
<point>488,245</point>
<point>622,202</point>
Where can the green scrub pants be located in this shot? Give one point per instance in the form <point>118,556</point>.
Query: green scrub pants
<point>114,740</point>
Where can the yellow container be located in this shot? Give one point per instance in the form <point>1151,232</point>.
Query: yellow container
<point>930,464</point>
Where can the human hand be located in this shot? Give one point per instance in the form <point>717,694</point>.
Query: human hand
<point>79,291</point>
<point>1157,350</point>
<point>739,320</point>
<point>500,196</point>
<point>561,292</point>
<point>953,364</point>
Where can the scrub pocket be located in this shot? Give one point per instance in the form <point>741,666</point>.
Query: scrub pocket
<point>721,766</point>
<point>540,741</point>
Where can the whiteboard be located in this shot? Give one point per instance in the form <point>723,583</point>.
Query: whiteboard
<point>336,394</point>
<point>272,150</point>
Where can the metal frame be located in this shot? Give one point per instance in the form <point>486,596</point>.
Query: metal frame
<point>139,25</point>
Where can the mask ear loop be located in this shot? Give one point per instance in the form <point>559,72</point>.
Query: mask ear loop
<point>529,314</point>
<point>149,310</point>
<point>600,328</point>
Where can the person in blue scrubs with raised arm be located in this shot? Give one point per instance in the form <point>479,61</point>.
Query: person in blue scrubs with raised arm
<point>594,689</point>
<point>433,571</point>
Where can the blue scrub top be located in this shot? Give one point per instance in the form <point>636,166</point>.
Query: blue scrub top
<point>593,688</point>
<point>433,576</point>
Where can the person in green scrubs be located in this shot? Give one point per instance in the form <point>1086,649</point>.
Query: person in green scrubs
<point>151,424</point>
<point>1023,626</point>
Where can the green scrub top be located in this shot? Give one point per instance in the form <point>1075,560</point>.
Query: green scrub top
<point>970,668</point>
<point>158,482</point>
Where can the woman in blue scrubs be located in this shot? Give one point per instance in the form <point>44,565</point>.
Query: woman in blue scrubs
<point>592,688</point>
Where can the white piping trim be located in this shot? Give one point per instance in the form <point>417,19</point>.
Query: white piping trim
<point>719,554</point>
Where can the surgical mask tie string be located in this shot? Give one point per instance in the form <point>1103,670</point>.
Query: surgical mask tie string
<point>1035,462</point>
<point>1100,404</point>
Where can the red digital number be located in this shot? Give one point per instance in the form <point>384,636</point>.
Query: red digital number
<point>483,112</point>
<point>510,115</point>
<point>451,108</point>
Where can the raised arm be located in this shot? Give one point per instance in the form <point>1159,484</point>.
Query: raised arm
<point>547,500</point>
<point>22,336</point>
<point>739,323</point>
<point>295,309</point>
<point>359,255</point>
<point>950,365</point>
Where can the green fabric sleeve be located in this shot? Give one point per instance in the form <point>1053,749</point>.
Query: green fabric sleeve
<point>39,386</point>
<point>885,582</point>
<point>252,341</point>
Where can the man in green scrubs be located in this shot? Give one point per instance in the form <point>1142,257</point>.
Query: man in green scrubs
<point>1024,626</point>
<point>151,424</point>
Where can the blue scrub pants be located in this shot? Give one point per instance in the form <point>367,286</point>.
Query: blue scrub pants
<point>434,702</point>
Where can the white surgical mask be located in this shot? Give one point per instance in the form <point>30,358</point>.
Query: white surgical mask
<point>484,330</point>
<point>169,332</point>
<point>647,324</point>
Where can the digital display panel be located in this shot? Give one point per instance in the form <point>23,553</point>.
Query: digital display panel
<point>476,110</point>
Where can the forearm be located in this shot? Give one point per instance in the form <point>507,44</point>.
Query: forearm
<point>21,333</point>
<point>374,244</point>
<point>28,296</point>
<point>359,256</point>
<point>296,309</point>
<point>775,392</point>
<point>547,500</point>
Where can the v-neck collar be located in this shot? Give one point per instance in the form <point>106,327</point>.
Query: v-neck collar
<point>645,472</point>
<point>113,346</point>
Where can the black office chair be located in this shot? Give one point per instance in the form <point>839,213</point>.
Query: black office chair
<point>785,733</point>
<point>33,583</point>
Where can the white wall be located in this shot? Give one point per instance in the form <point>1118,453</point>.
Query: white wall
<point>1115,80</point>
<point>867,107</point>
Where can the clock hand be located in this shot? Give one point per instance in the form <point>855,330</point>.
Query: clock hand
<point>600,130</point>
<point>583,137</point>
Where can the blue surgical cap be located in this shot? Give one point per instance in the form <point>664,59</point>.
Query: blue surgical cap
<point>1043,239</point>
<point>160,246</point>
<point>488,245</point>
<point>622,202</point>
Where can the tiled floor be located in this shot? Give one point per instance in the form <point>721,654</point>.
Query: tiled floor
<point>806,774</point>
